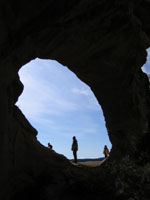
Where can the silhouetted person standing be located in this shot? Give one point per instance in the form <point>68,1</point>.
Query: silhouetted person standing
<point>106,151</point>
<point>74,148</point>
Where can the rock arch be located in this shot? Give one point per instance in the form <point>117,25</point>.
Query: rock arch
<point>105,44</point>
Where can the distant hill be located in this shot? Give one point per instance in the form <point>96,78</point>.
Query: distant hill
<point>89,159</point>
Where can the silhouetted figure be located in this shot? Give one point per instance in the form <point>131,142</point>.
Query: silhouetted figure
<point>106,151</point>
<point>50,146</point>
<point>74,148</point>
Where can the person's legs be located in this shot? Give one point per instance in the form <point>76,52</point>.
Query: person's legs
<point>75,156</point>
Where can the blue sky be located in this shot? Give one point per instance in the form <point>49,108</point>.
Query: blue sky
<point>146,67</point>
<point>61,106</point>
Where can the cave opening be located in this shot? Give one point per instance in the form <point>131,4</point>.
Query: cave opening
<point>59,105</point>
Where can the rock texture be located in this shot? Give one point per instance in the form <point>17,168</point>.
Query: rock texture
<point>104,43</point>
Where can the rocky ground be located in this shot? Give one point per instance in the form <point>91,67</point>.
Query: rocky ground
<point>94,163</point>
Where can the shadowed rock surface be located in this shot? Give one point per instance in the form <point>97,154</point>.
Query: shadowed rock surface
<point>104,43</point>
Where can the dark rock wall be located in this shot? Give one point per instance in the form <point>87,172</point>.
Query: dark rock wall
<point>105,44</point>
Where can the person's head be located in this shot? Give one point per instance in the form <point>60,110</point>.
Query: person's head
<point>74,137</point>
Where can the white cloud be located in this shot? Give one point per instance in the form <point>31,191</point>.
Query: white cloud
<point>41,97</point>
<point>81,91</point>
